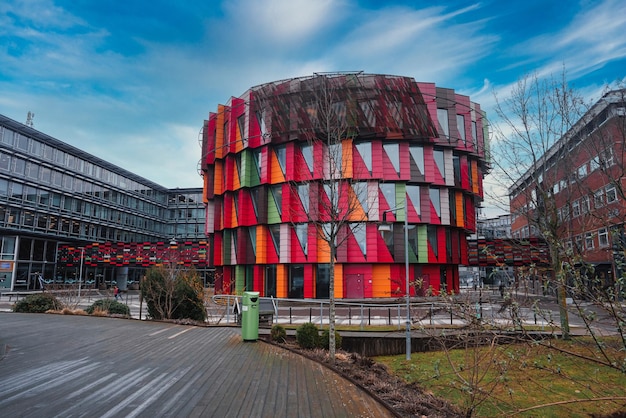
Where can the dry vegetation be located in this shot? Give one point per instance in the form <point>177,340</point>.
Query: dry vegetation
<point>404,399</point>
<point>538,381</point>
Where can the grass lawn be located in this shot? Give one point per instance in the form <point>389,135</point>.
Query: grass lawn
<point>506,380</point>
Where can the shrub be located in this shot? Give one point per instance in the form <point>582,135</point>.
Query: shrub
<point>189,295</point>
<point>173,294</point>
<point>278,333</point>
<point>325,339</point>
<point>38,303</point>
<point>111,306</point>
<point>308,335</point>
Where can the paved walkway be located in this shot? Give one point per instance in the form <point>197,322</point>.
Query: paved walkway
<point>70,366</point>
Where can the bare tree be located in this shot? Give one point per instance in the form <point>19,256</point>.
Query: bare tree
<point>530,155</point>
<point>564,163</point>
<point>336,209</point>
<point>597,220</point>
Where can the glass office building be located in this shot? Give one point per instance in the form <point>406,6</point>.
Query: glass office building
<point>54,195</point>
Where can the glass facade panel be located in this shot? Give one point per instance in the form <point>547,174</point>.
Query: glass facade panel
<point>365,151</point>
<point>442,117</point>
<point>296,281</point>
<point>322,283</point>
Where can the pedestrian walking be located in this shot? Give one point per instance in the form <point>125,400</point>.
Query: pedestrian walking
<point>116,292</point>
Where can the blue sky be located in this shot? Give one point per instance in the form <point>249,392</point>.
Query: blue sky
<point>132,81</point>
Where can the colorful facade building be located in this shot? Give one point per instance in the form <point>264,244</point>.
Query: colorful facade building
<point>408,152</point>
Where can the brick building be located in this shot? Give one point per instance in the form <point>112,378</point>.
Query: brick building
<point>579,185</point>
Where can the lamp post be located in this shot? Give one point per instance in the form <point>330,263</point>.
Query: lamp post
<point>80,273</point>
<point>173,257</point>
<point>406,272</point>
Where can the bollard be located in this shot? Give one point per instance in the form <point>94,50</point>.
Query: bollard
<point>290,321</point>
<point>362,323</point>
<point>389,316</point>
<point>399,320</point>
<point>310,314</point>
<point>322,315</point>
<point>431,314</point>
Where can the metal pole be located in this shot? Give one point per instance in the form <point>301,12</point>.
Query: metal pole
<point>406,264</point>
<point>80,275</point>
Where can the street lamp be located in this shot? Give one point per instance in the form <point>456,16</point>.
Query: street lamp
<point>386,227</point>
<point>80,273</point>
<point>173,257</point>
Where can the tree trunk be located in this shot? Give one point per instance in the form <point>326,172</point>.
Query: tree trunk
<point>331,307</point>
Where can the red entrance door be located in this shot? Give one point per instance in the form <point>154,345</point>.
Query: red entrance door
<point>355,286</point>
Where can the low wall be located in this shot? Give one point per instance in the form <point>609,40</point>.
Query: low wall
<point>372,346</point>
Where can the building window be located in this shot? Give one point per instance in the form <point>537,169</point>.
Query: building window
<point>611,194</point>
<point>442,116</point>
<point>277,194</point>
<point>594,164</point>
<point>603,237</point>
<point>579,242</point>
<point>433,240</point>
<point>413,193</point>
<point>296,281</point>
<point>456,166</point>
<point>303,193</point>
<point>576,209</point>
<point>598,198</point>
<point>358,231</point>
<point>393,153</point>
<point>582,171</point>
<point>275,234</point>
<point>365,151</point>
<point>475,135</point>
<point>302,231</point>
<point>241,124</point>
<point>589,240</point>
<point>439,162</point>
<point>460,124</point>
<point>435,200</point>
<point>389,193</point>
<point>361,193</point>
<point>16,191</point>
<point>19,165</point>
<point>584,204</point>
<point>417,154</point>
<point>606,158</point>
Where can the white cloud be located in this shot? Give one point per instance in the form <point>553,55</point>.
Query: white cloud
<point>281,22</point>
<point>144,109</point>
<point>424,43</point>
<point>38,13</point>
<point>594,37</point>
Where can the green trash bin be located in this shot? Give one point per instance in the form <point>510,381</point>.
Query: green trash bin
<point>250,316</point>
